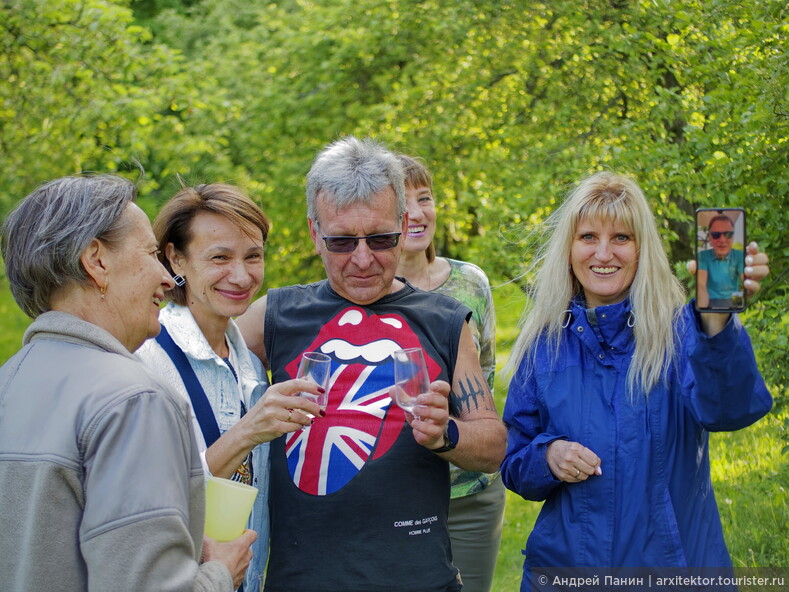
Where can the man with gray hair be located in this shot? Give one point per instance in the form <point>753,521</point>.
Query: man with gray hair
<point>359,499</point>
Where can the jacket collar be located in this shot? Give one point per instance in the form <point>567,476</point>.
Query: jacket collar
<point>62,326</point>
<point>612,325</point>
<point>187,335</point>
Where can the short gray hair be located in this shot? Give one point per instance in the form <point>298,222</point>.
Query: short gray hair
<point>351,171</point>
<point>44,237</point>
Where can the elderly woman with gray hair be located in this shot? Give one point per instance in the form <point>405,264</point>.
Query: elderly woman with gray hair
<point>101,481</point>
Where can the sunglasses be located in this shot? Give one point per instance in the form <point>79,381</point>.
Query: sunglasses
<point>726,233</point>
<point>375,242</point>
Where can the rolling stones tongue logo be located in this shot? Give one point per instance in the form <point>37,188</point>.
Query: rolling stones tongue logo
<point>361,422</point>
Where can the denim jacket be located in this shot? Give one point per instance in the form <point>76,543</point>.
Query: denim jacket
<point>225,395</point>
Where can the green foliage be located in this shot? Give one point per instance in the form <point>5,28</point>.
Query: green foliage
<point>84,88</point>
<point>14,322</point>
<point>509,105</point>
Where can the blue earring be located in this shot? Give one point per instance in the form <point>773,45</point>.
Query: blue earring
<point>179,280</point>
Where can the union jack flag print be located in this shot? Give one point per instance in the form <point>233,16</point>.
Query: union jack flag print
<point>361,422</point>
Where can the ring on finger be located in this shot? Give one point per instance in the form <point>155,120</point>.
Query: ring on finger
<point>577,473</point>
<point>290,414</point>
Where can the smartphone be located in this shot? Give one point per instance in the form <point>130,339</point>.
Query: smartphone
<point>720,259</point>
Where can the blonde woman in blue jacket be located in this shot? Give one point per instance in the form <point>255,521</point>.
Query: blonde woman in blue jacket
<point>616,384</point>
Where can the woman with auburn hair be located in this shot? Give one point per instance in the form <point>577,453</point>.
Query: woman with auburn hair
<point>616,383</point>
<point>476,507</point>
<point>211,239</point>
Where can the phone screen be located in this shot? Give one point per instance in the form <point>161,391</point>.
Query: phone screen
<point>720,259</point>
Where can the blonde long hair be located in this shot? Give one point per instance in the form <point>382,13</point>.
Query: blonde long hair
<point>656,296</point>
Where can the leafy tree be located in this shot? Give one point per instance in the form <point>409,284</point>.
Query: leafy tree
<point>83,88</point>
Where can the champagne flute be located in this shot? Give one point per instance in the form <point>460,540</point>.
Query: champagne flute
<point>410,376</point>
<point>316,367</point>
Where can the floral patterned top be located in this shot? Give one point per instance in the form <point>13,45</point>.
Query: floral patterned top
<point>468,284</point>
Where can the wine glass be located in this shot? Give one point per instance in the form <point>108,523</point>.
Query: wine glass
<point>410,376</point>
<point>316,367</point>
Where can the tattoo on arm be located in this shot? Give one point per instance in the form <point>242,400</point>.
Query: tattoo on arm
<point>472,396</point>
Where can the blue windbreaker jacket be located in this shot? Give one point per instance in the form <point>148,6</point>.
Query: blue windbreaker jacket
<point>653,505</point>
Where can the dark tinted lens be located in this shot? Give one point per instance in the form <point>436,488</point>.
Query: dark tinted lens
<point>727,234</point>
<point>347,244</point>
<point>382,242</point>
<point>340,244</point>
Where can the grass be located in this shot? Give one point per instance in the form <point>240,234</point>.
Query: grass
<point>749,472</point>
<point>751,478</point>
<point>520,514</point>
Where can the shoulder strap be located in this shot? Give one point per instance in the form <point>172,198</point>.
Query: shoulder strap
<point>202,408</point>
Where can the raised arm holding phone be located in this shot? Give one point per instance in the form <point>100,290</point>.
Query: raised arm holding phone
<point>616,383</point>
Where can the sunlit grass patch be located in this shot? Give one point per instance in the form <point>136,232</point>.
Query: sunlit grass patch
<point>751,480</point>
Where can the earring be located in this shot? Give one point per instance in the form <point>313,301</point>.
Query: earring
<point>103,291</point>
<point>179,280</point>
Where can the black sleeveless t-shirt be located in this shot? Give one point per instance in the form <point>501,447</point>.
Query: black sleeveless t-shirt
<point>356,504</point>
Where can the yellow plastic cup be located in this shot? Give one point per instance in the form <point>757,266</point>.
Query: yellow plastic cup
<point>227,508</point>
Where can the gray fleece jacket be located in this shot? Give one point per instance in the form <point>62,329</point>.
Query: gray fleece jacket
<point>101,485</point>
